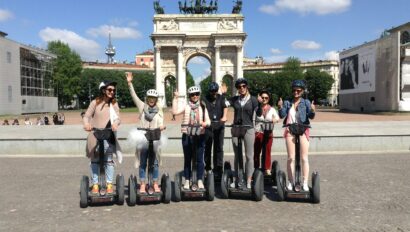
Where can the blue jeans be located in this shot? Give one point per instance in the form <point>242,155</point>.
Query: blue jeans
<point>143,166</point>
<point>108,164</point>
<point>187,144</point>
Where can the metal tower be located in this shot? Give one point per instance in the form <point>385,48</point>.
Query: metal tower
<point>110,50</point>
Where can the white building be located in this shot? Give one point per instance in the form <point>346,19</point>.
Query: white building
<point>329,66</point>
<point>25,79</point>
<point>375,76</point>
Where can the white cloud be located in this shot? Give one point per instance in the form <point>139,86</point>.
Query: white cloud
<point>116,32</point>
<point>197,60</point>
<point>87,49</point>
<point>305,45</point>
<point>132,23</point>
<point>275,51</point>
<point>5,15</point>
<point>332,55</point>
<point>320,7</point>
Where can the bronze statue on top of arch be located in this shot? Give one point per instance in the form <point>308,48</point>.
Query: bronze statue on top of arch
<point>158,8</point>
<point>200,7</point>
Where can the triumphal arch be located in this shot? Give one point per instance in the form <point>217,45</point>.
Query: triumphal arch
<point>197,31</point>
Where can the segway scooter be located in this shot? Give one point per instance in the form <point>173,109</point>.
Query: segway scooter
<point>238,188</point>
<point>86,197</point>
<point>194,192</point>
<point>297,192</point>
<point>267,128</point>
<point>215,124</point>
<point>134,194</point>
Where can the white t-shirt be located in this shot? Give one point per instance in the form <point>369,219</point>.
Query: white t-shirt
<point>271,115</point>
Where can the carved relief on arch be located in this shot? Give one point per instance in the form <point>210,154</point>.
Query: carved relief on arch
<point>228,55</point>
<point>169,56</point>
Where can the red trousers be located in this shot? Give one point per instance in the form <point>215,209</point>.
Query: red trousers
<point>258,151</point>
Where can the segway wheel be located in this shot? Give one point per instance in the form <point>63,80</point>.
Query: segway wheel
<point>257,187</point>
<point>84,188</point>
<point>227,166</point>
<point>281,185</point>
<point>166,188</point>
<point>132,195</point>
<point>315,188</point>
<point>210,187</point>
<point>120,189</point>
<point>275,169</point>
<point>177,187</point>
<point>225,184</point>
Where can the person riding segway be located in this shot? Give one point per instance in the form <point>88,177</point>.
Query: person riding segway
<point>194,122</point>
<point>151,123</point>
<point>246,181</point>
<point>215,104</point>
<point>264,125</point>
<point>102,120</point>
<point>297,113</point>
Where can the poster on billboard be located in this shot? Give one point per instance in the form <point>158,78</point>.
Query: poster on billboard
<point>358,70</point>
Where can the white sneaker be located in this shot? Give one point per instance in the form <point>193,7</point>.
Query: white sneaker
<point>248,184</point>
<point>305,187</point>
<point>186,185</point>
<point>201,184</point>
<point>290,186</point>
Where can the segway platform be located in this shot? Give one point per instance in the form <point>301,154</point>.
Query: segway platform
<point>305,195</point>
<point>147,197</point>
<point>189,193</point>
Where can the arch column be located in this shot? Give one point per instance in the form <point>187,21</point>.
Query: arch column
<point>239,61</point>
<point>181,74</point>
<point>159,82</point>
<point>217,68</point>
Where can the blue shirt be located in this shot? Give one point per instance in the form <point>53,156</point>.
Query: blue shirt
<point>303,112</point>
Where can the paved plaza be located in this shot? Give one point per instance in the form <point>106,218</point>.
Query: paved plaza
<point>365,192</point>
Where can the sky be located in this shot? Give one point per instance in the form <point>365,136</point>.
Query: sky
<point>276,29</point>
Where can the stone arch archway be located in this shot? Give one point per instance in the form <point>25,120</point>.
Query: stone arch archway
<point>179,38</point>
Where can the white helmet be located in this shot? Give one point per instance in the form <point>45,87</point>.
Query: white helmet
<point>152,93</point>
<point>194,89</point>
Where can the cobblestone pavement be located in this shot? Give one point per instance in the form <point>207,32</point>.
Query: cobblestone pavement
<point>358,193</point>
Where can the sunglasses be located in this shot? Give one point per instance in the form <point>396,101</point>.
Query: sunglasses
<point>265,98</point>
<point>110,90</point>
<point>297,90</point>
<point>241,86</point>
<point>193,94</point>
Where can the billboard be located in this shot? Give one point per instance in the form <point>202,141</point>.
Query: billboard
<point>357,71</point>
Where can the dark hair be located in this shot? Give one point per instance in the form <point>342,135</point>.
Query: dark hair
<point>265,92</point>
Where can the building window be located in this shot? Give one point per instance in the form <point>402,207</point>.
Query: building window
<point>152,59</point>
<point>36,74</point>
<point>9,57</point>
<point>10,93</point>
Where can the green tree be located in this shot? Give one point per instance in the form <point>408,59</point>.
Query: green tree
<point>227,80</point>
<point>67,71</point>
<point>204,84</point>
<point>189,79</point>
<point>170,87</point>
<point>319,84</point>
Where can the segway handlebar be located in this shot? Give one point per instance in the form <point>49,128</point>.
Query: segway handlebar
<point>102,133</point>
<point>152,134</point>
<point>301,125</point>
<point>236,125</point>
<point>192,125</point>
